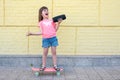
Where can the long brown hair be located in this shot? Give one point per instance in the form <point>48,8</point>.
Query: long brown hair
<point>40,17</point>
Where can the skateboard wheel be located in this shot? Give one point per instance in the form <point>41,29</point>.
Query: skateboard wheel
<point>31,65</point>
<point>58,73</point>
<point>37,74</point>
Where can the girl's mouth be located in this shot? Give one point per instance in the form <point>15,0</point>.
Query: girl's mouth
<point>46,14</point>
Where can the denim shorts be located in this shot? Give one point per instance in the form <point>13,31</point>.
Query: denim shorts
<point>47,42</point>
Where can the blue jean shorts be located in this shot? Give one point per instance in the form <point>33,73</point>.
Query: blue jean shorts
<point>49,42</point>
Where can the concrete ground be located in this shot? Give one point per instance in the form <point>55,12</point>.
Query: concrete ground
<point>69,73</point>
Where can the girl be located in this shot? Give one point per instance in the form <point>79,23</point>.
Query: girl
<point>48,31</point>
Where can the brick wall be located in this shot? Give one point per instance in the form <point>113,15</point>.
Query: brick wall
<point>92,27</point>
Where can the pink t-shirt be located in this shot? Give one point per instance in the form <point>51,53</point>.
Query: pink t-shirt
<point>48,28</point>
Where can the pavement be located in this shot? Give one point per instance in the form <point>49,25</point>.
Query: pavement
<point>69,73</point>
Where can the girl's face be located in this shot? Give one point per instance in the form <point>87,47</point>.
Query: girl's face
<point>45,13</point>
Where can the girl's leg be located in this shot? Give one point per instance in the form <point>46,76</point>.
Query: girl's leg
<point>53,49</point>
<point>44,57</point>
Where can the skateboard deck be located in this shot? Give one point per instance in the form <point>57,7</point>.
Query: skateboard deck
<point>63,17</point>
<point>47,70</point>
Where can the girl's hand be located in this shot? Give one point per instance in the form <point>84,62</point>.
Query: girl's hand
<point>59,20</point>
<point>29,34</point>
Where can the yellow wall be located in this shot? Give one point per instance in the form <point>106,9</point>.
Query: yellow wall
<point>1,12</point>
<point>92,27</point>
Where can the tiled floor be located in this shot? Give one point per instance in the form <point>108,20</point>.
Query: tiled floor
<point>69,73</point>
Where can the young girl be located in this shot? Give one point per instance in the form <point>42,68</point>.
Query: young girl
<point>48,31</point>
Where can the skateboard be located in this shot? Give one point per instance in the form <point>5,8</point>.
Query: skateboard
<point>37,71</point>
<point>55,19</point>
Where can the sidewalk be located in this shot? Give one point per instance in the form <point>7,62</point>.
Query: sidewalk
<point>69,73</point>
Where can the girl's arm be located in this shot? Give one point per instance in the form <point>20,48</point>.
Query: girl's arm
<point>35,34</point>
<point>58,24</point>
